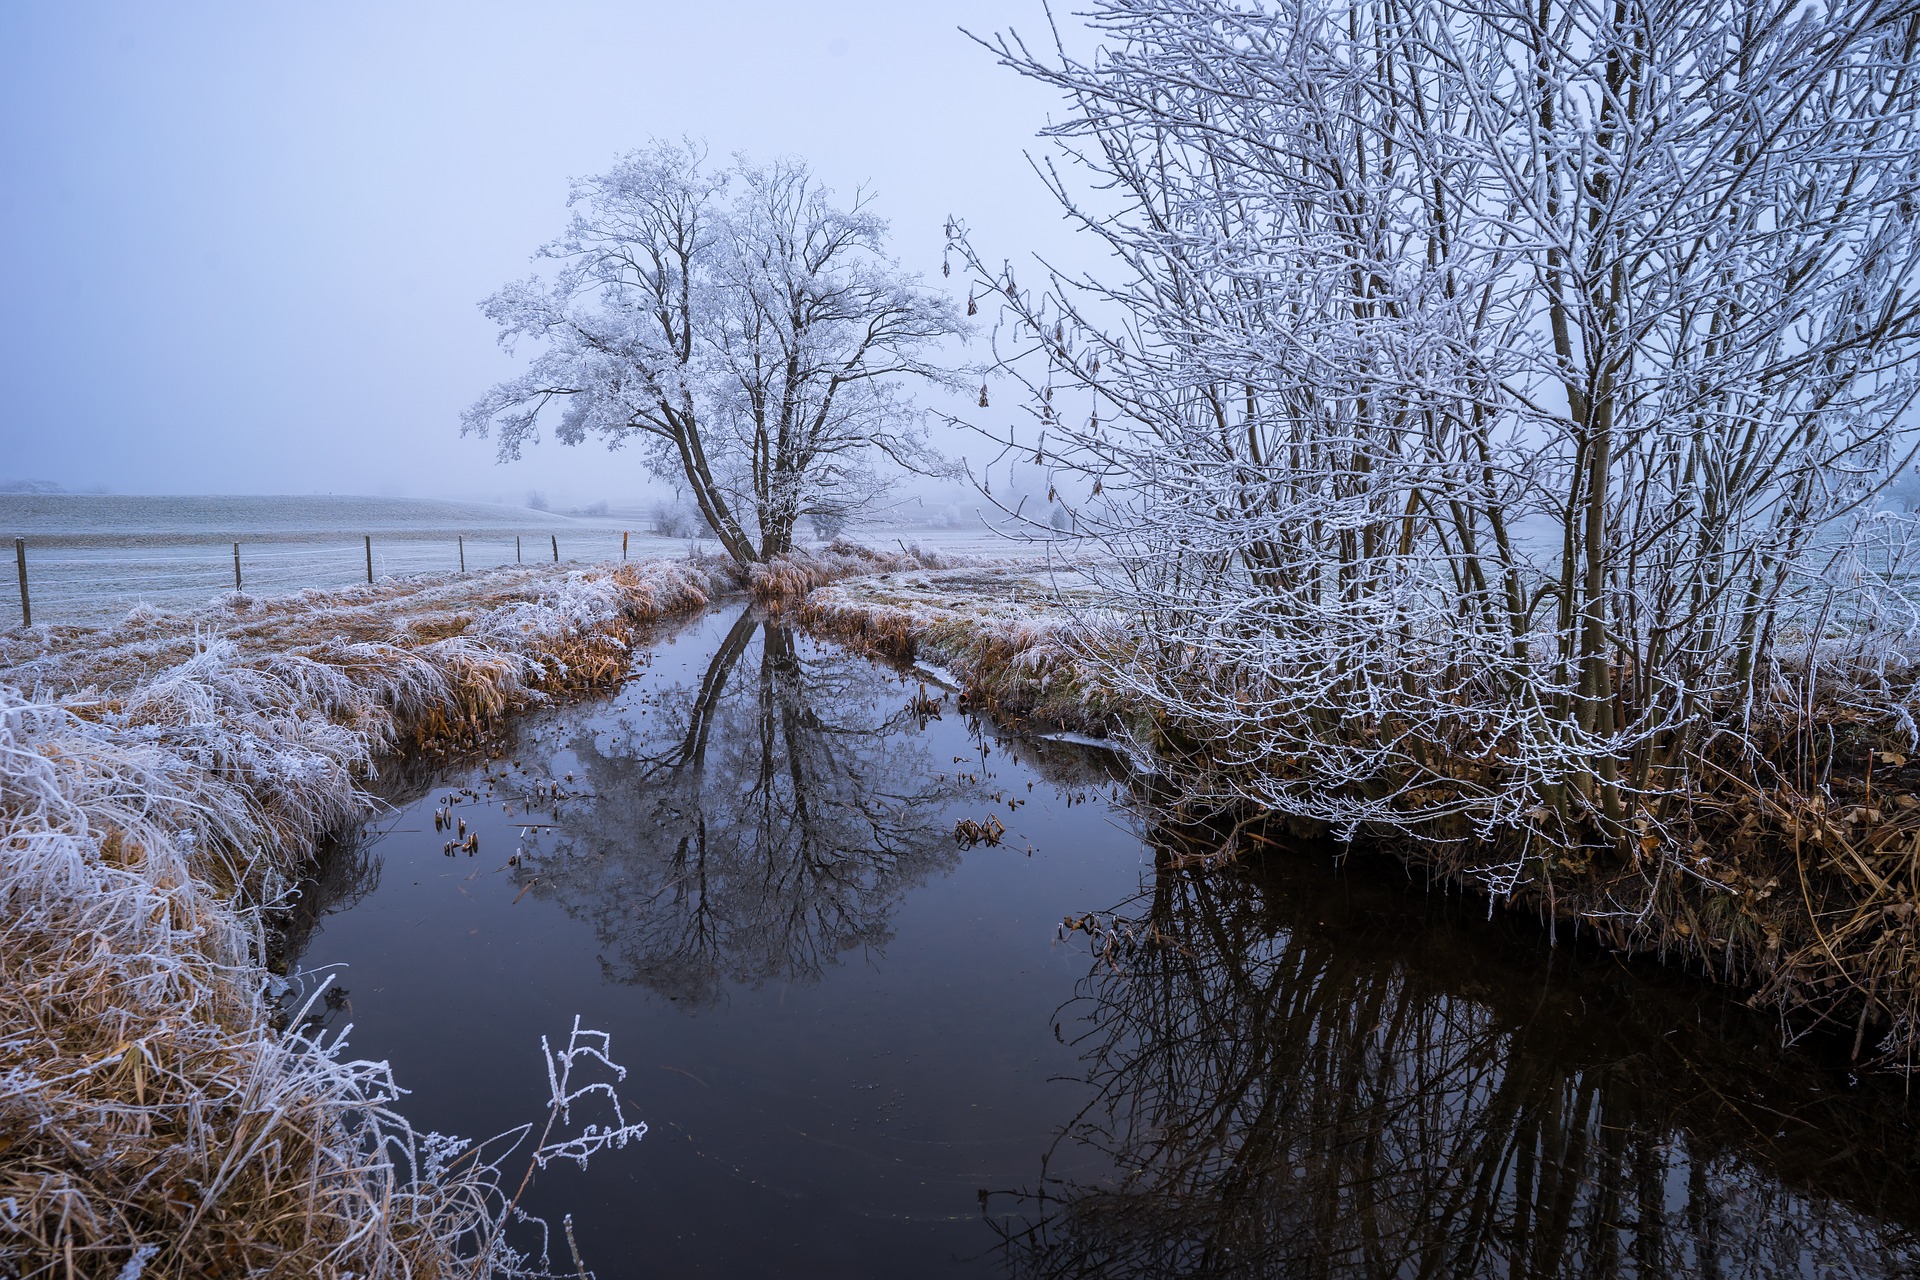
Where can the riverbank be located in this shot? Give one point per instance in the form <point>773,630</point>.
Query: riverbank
<point>1801,881</point>
<point>845,1017</point>
<point>1021,641</point>
<point>167,780</point>
<point>164,783</point>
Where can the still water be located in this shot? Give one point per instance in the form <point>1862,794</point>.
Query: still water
<point>864,1050</point>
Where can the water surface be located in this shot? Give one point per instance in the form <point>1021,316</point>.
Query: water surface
<point>865,1050</point>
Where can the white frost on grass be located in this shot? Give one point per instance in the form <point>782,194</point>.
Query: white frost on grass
<point>163,783</point>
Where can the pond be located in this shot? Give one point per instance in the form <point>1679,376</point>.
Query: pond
<point>866,1047</point>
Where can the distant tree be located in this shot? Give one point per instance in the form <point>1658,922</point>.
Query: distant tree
<point>537,500</point>
<point>751,334</point>
<point>674,519</point>
<point>828,525</point>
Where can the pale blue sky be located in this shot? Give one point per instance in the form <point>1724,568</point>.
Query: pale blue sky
<point>242,243</point>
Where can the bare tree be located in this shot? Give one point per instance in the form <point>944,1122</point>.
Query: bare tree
<point>753,335</point>
<point>1478,390</point>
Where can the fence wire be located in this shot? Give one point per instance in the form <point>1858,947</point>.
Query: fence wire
<point>98,583</point>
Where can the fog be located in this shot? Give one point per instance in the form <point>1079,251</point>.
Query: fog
<point>244,243</point>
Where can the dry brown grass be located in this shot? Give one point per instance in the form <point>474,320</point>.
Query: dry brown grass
<point>162,783</point>
<point>792,577</point>
<point>1019,647</point>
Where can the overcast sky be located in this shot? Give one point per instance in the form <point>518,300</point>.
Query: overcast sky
<point>243,242</point>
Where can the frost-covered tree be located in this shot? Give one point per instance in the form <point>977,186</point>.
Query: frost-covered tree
<point>1476,391</point>
<point>752,335</point>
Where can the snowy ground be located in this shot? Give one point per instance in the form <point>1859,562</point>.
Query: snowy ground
<point>92,558</point>
<point>1040,592</point>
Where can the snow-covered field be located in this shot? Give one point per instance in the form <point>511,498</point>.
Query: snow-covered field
<point>90,558</point>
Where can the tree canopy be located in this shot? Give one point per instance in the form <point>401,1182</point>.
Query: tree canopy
<point>1485,392</point>
<point>752,335</point>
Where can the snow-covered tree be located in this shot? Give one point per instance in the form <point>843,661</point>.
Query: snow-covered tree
<point>1475,388</point>
<point>753,335</point>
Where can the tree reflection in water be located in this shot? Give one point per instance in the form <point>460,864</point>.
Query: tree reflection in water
<point>1300,1080</point>
<point>749,827</point>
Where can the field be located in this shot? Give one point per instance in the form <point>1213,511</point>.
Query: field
<point>91,558</point>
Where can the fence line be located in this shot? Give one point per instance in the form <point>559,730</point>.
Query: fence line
<point>93,584</point>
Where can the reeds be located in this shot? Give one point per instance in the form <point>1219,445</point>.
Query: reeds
<point>163,783</point>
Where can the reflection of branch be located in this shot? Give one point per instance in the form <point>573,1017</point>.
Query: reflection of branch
<point>712,684</point>
<point>692,748</point>
<point>1278,1100</point>
<point>755,828</point>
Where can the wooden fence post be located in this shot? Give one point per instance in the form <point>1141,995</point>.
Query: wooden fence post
<point>556,547</point>
<point>623,544</point>
<point>20,559</point>
<point>369,538</point>
<point>516,548</point>
<point>462,540</point>
<point>236,566</point>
